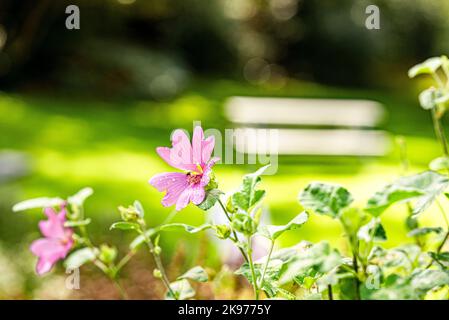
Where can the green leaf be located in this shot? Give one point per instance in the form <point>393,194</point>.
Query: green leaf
<point>424,231</point>
<point>423,187</point>
<point>78,223</point>
<point>440,163</point>
<point>243,223</point>
<point>38,203</point>
<point>79,198</point>
<point>319,257</point>
<point>80,257</point>
<point>273,232</point>
<point>168,227</point>
<point>429,279</point>
<point>184,227</point>
<point>325,199</point>
<point>372,231</point>
<point>210,200</point>
<point>427,67</point>
<point>442,258</point>
<point>182,290</point>
<point>248,196</point>
<point>196,274</point>
<point>139,208</point>
<point>122,225</point>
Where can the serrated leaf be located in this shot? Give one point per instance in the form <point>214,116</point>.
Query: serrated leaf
<point>327,199</point>
<point>182,289</point>
<point>427,67</point>
<point>423,187</point>
<point>122,225</point>
<point>79,198</point>
<point>424,231</point>
<point>79,223</point>
<point>274,231</point>
<point>79,257</point>
<point>210,200</point>
<point>38,203</point>
<point>248,196</point>
<point>196,274</point>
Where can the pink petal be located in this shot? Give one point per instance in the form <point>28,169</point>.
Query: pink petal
<point>197,143</point>
<point>49,252</point>
<point>207,170</point>
<point>174,183</point>
<point>198,194</point>
<point>54,226</point>
<point>207,148</point>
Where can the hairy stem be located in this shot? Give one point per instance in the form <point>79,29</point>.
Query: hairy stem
<point>266,264</point>
<point>233,231</point>
<point>253,272</point>
<point>157,259</point>
<point>439,132</point>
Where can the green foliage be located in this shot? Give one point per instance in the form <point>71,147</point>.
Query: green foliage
<point>212,196</point>
<point>196,274</point>
<point>325,199</point>
<point>79,257</point>
<point>248,195</point>
<point>244,223</point>
<point>38,203</point>
<point>424,187</point>
<point>182,290</point>
<point>122,225</point>
<point>440,163</point>
<point>272,232</point>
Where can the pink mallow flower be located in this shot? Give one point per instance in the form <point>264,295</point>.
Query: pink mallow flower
<point>56,243</point>
<point>195,160</point>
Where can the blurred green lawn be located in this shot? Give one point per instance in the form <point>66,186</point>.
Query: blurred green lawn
<point>110,146</point>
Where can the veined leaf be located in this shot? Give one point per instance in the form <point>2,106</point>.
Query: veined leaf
<point>248,196</point>
<point>210,200</point>
<point>80,257</point>
<point>273,232</point>
<point>37,203</point>
<point>139,208</point>
<point>327,199</point>
<point>429,279</point>
<point>423,187</point>
<point>196,274</point>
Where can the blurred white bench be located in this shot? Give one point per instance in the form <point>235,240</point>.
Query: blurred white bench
<point>309,126</point>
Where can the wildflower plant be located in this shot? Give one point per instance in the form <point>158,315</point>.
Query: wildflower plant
<point>366,270</point>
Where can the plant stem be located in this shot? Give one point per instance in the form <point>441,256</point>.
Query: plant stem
<point>125,260</point>
<point>266,264</point>
<point>443,213</point>
<point>157,259</point>
<point>356,270</point>
<point>439,131</point>
<point>329,292</point>
<point>120,289</point>
<point>253,272</point>
<point>233,231</point>
<point>440,247</point>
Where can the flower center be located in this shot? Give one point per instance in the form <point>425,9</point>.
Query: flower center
<point>193,178</point>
